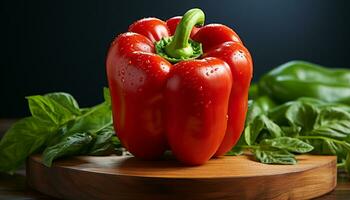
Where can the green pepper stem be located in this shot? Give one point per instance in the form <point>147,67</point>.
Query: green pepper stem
<point>179,47</point>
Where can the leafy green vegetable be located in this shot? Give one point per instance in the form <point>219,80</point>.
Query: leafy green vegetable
<point>56,108</point>
<point>301,126</point>
<point>315,109</point>
<point>254,110</point>
<point>104,142</point>
<point>260,106</point>
<point>288,143</point>
<point>60,128</point>
<point>347,163</point>
<point>235,152</point>
<point>253,130</point>
<point>75,144</point>
<point>93,120</point>
<point>253,91</point>
<point>271,127</point>
<point>302,115</point>
<point>65,100</point>
<point>107,96</point>
<point>275,156</point>
<point>332,122</point>
<point>260,123</point>
<point>22,139</point>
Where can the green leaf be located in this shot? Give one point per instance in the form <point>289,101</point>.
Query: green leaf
<point>331,133</point>
<point>265,103</point>
<point>312,101</point>
<point>332,122</point>
<point>55,108</point>
<point>21,140</point>
<point>330,147</point>
<point>271,127</point>
<point>107,95</point>
<point>253,91</point>
<point>105,143</point>
<point>303,115</point>
<point>60,125</point>
<point>327,146</point>
<point>274,156</point>
<point>253,111</point>
<point>93,120</point>
<point>259,106</point>
<point>291,131</point>
<point>323,104</point>
<point>278,113</point>
<point>238,148</point>
<point>347,163</point>
<point>255,128</point>
<point>288,143</point>
<point>235,151</point>
<point>75,144</point>
<point>65,100</point>
<point>252,131</point>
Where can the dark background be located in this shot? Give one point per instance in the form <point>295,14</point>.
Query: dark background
<point>51,46</point>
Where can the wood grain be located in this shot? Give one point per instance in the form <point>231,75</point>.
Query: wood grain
<point>239,177</point>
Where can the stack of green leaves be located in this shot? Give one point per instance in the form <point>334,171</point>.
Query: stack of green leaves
<point>275,134</point>
<point>297,108</point>
<point>58,128</point>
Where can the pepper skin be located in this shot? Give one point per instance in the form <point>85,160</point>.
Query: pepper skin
<point>168,93</point>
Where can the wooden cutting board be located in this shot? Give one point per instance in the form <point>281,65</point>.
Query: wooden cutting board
<point>126,177</point>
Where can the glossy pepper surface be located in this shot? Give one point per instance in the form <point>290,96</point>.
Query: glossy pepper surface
<point>179,85</point>
<point>297,79</point>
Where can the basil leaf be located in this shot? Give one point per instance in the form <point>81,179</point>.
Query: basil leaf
<point>332,122</point>
<point>254,129</point>
<point>257,107</point>
<point>327,146</point>
<point>264,134</point>
<point>253,91</point>
<point>288,143</point>
<point>22,139</point>
<point>347,163</point>
<point>271,127</point>
<point>331,133</point>
<point>73,145</point>
<point>323,104</point>
<point>58,124</point>
<point>107,95</point>
<point>93,120</point>
<point>105,143</point>
<point>291,131</point>
<point>235,151</point>
<point>274,156</point>
<point>55,108</point>
<point>251,132</point>
<point>278,113</point>
<point>312,101</point>
<point>265,103</point>
<point>303,115</point>
<point>253,111</point>
<point>65,100</point>
<point>238,148</point>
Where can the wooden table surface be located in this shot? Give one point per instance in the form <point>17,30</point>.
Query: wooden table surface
<point>15,187</point>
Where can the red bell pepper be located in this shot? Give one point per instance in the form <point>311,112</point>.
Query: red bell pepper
<point>170,91</point>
